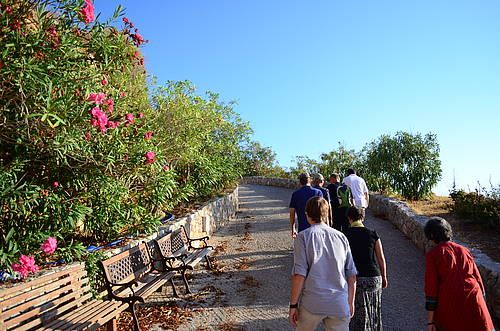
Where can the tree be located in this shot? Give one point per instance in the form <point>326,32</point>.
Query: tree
<point>339,160</point>
<point>407,164</point>
<point>261,161</point>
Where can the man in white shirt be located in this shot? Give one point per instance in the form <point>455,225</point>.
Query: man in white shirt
<point>358,189</point>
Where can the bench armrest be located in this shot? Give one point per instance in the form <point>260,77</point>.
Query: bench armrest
<point>169,259</point>
<point>130,284</point>
<point>204,239</point>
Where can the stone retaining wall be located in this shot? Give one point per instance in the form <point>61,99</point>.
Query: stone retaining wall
<point>278,182</point>
<point>201,222</point>
<point>412,226</point>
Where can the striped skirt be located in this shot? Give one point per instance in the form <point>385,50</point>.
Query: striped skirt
<point>367,305</point>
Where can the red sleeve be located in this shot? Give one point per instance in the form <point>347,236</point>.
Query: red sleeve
<point>476,273</point>
<point>431,282</point>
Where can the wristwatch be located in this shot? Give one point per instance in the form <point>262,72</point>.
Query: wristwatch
<point>294,305</point>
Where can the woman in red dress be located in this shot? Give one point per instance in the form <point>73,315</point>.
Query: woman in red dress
<point>454,290</point>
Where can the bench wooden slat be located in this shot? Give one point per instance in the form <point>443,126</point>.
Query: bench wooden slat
<point>40,304</point>
<point>10,305</point>
<point>59,300</point>
<point>75,315</point>
<point>51,315</point>
<point>198,256</point>
<point>154,284</point>
<point>7,292</point>
<point>86,315</point>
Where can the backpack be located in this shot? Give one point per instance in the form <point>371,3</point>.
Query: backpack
<point>344,196</point>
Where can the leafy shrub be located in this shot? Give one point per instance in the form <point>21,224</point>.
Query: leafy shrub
<point>86,155</point>
<point>261,161</point>
<point>481,206</point>
<point>407,164</point>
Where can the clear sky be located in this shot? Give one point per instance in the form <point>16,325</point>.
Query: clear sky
<point>310,74</point>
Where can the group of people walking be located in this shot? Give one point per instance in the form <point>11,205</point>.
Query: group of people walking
<point>339,266</point>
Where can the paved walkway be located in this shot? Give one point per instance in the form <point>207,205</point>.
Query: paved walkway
<point>254,255</point>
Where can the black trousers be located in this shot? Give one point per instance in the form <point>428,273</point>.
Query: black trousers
<point>340,221</point>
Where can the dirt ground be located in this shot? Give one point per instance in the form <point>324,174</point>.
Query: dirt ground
<point>474,235</point>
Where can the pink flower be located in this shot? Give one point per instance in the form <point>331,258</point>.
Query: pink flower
<point>87,136</point>
<point>97,112</point>
<point>123,94</point>
<point>148,135</point>
<point>55,184</point>
<point>113,124</point>
<point>166,167</point>
<point>88,12</point>
<point>100,119</point>
<point>130,118</point>
<point>137,38</point>
<point>49,246</point>
<point>25,266</point>
<point>98,98</point>
<point>125,20</point>
<point>111,105</point>
<point>150,157</point>
<point>20,269</point>
<point>104,82</point>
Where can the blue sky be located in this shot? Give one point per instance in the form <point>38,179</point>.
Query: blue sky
<point>310,74</point>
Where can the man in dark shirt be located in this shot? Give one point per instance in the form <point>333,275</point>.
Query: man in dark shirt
<point>339,212</point>
<point>298,203</point>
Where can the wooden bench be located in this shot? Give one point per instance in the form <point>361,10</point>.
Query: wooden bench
<point>177,252</point>
<point>131,277</point>
<point>58,300</point>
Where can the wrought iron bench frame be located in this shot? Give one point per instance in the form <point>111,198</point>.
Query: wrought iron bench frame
<point>177,253</point>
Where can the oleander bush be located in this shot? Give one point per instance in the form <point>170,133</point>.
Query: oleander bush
<point>89,152</point>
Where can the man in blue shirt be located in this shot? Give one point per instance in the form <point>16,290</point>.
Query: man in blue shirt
<point>298,203</point>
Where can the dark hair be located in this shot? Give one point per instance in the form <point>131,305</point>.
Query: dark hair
<point>318,209</point>
<point>438,229</point>
<point>318,179</point>
<point>354,214</point>
<point>334,175</point>
<point>351,171</point>
<point>304,178</point>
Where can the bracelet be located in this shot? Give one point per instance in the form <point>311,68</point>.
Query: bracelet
<point>430,323</point>
<point>294,305</point>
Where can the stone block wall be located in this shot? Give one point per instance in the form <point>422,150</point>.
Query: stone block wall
<point>265,181</point>
<point>412,226</point>
<point>201,222</point>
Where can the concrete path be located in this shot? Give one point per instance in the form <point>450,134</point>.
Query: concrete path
<point>254,256</point>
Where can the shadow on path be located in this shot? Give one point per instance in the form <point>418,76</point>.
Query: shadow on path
<point>255,255</point>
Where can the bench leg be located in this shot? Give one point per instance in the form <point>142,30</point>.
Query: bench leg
<point>209,264</point>
<point>188,290</point>
<point>111,325</point>
<point>134,316</point>
<point>174,290</point>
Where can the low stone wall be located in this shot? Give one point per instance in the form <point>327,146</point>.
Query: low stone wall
<point>412,226</point>
<point>201,222</point>
<point>278,182</point>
